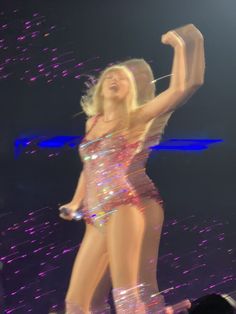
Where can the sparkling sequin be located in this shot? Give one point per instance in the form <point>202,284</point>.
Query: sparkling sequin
<point>115,175</point>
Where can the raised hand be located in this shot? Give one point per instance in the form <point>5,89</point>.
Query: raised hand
<point>182,35</point>
<point>189,63</point>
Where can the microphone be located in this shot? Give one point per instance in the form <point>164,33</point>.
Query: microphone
<point>76,215</point>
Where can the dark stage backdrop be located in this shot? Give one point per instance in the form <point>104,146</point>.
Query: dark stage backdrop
<point>49,50</point>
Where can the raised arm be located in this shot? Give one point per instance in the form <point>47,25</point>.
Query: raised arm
<point>187,72</point>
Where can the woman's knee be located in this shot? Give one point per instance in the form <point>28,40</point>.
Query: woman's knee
<point>89,265</point>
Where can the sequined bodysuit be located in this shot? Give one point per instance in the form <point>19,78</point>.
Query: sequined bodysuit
<point>115,175</point>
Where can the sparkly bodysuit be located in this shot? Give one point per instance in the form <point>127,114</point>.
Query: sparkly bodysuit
<point>115,175</point>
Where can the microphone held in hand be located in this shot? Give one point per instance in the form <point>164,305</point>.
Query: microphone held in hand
<point>76,215</point>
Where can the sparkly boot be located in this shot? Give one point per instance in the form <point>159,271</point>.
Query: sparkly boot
<point>127,301</point>
<point>155,304</point>
<point>154,301</point>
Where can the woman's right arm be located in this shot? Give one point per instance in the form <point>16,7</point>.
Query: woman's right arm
<point>80,189</point>
<point>76,201</point>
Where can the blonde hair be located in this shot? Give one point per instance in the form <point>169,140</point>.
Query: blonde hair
<point>92,101</point>
<point>146,89</point>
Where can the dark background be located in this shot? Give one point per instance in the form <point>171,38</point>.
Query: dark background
<point>192,182</point>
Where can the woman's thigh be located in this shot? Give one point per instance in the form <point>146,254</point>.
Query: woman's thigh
<point>89,266</point>
<point>153,221</point>
<point>124,240</point>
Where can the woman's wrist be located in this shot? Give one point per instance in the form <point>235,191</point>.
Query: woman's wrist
<point>76,200</point>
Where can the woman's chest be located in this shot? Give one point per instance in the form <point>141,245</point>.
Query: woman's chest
<point>102,147</point>
<point>110,148</point>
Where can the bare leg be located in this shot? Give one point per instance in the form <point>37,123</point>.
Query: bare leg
<point>153,217</point>
<point>89,266</point>
<point>99,302</point>
<point>124,240</point>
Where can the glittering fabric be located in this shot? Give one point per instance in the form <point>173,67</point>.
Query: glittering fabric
<point>127,301</point>
<point>115,175</point>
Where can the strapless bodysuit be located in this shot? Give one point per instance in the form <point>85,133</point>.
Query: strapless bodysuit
<point>115,175</point>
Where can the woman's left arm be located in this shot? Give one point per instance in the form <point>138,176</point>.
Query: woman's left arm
<point>187,72</point>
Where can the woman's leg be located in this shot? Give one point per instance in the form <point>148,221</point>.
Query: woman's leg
<point>99,303</point>
<point>124,241</point>
<point>153,222</point>
<point>89,266</point>
<point>154,218</point>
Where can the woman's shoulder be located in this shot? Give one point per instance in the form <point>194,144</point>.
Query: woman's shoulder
<point>90,121</point>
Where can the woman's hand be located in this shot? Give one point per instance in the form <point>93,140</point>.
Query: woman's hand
<point>188,70</point>
<point>182,35</point>
<point>72,207</point>
<point>171,38</point>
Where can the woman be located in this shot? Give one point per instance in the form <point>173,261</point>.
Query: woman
<point>153,215</point>
<point>118,198</point>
